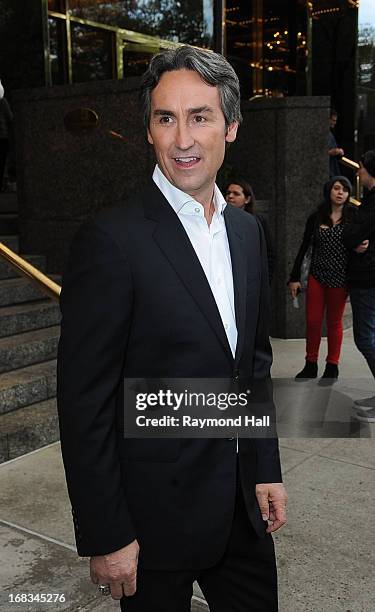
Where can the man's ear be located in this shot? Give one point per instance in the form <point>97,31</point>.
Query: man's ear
<point>231,134</point>
<point>149,137</point>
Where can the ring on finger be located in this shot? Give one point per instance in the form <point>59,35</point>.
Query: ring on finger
<point>104,589</point>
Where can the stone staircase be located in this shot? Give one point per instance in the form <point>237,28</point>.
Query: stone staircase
<point>29,333</point>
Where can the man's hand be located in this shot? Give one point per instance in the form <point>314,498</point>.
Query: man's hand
<point>118,570</point>
<point>294,288</point>
<point>361,248</point>
<point>272,500</point>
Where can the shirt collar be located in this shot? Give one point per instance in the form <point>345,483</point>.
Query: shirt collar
<point>177,198</point>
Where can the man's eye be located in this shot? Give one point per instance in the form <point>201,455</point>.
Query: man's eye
<point>166,119</point>
<point>199,119</point>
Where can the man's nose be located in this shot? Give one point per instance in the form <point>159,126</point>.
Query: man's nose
<point>184,137</point>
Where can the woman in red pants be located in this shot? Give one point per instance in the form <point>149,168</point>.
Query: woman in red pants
<point>326,285</point>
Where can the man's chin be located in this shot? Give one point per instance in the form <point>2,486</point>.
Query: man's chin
<point>186,184</point>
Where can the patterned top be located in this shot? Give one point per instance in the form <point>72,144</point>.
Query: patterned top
<point>330,257</point>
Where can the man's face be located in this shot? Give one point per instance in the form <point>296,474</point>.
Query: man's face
<point>333,121</point>
<point>188,132</point>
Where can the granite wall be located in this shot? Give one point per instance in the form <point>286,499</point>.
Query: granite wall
<point>282,151</point>
<point>65,176</point>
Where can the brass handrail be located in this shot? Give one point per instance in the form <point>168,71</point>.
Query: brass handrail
<point>350,163</point>
<point>353,165</point>
<point>44,283</point>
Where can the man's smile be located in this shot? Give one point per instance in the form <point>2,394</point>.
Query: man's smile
<point>186,162</point>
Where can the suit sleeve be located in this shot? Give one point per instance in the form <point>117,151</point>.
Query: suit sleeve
<point>94,331</point>
<point>268,468</point>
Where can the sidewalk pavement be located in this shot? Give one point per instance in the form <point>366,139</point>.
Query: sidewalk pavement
<point>326,553</point>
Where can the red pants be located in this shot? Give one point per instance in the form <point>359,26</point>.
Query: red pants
<point>318,298</point>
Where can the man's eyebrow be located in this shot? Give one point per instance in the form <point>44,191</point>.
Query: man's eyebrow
<point>191,111</point>
<point>161,111</point>
<point>200,109</point>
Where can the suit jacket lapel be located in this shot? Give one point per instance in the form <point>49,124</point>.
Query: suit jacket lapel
<point>239,269</point>
<point>172,239</point>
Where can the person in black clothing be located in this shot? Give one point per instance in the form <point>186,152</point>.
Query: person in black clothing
<point>240,194</point>
<point>359,238</point>
<point>6,125</point>
<point>326,285</point>
<point>334,151</point>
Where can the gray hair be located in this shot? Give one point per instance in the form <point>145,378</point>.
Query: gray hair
<point>211,67</point>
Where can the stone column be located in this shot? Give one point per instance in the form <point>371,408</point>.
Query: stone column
<point>282,151</point>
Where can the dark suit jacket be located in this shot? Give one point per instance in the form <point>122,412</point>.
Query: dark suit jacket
<point>136,303</point>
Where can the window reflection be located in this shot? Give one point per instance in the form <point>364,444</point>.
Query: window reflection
<point>366,76</point>
<point>54,5</point>
<point>285,47</point>
<point>136,59</point>
<point>189,21</point>
<point>91,53</point>
<point>56,51</point>
<point>240,42</point>
<point>266,42</point>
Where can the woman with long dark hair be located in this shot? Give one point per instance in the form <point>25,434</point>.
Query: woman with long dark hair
<point>240,194</point>
<point>326,285</point>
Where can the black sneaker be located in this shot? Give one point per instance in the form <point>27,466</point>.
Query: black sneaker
<point>309,371</point>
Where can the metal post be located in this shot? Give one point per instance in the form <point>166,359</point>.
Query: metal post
<point>46,47</point>
<point>219,27</point>
<point>258,58</point>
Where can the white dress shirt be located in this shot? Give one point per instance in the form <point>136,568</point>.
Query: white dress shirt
<point>210,242</point>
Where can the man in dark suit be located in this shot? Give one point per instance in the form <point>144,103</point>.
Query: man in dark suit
<point>172,285</point>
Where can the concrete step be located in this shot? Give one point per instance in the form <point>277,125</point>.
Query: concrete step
<point>28,348</point>
<point>26,386</point>
<point>28,428</point>
<point>6,270</point>
<point>21,318</point>
<point>12,242</point>
<point>8,202</point>
<point>8,223</point>
<point>19,290</point>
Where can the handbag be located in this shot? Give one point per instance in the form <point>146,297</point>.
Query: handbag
<point>305,266</point>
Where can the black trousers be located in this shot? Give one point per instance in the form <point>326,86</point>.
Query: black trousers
<point>244,580</point>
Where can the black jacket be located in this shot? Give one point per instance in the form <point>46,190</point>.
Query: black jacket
<point>308,236</point>
<point>269,245</point>
<point>361,271</point>
<point>136,303</point>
